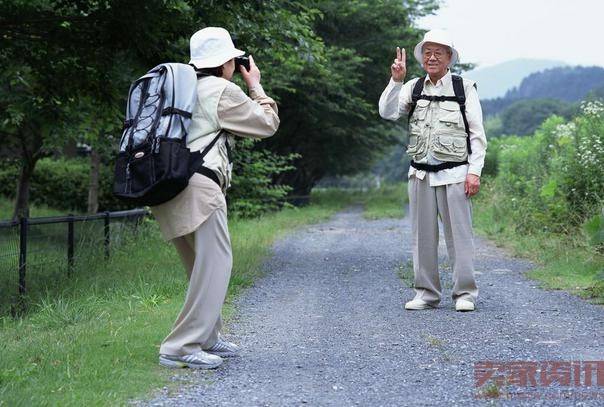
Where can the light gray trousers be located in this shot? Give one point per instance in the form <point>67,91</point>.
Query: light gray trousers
<point>450,203</point>
<point>207,257</point>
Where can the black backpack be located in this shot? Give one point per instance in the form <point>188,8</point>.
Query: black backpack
<point>460,98</point>
<point>154,164</point>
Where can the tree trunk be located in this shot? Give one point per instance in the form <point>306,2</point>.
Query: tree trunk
<point>22,201</point>
<point>93,188</point>
<point>302,181</point>
<point>31,151</point>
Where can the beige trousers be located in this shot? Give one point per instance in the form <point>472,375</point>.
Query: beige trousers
<point>449,202</point>
<point>207,257</point>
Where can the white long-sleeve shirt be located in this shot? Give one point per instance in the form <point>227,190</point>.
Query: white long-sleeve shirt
<point>394,103</point>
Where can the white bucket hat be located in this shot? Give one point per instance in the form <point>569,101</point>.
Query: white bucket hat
<point>438,37</point>
<point>212,47</point>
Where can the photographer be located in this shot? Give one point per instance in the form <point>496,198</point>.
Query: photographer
<point>196,219</point>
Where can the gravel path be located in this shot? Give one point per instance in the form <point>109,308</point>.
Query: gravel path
<point>326,326</point>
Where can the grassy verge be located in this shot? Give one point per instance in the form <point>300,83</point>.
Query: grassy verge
<point>386,202</point>
<point>564,262</point>
<point>7,207</point>
<point>96,341</point>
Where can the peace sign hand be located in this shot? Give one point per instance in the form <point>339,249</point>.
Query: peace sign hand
<point>399,68</point>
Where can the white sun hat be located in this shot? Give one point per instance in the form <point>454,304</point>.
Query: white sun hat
<point>438,37</point>
<point>212,47</point>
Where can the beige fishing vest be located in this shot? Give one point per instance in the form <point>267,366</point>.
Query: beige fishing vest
<point>205,125</point>
<point>436,129</point>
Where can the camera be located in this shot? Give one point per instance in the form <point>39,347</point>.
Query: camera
<point>242,61</point>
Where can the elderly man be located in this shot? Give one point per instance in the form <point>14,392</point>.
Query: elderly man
<point>447,146</point>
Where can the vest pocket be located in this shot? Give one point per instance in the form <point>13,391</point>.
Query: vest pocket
<point>448,147</point>
<point>449,116</point>
<point>417,146</point>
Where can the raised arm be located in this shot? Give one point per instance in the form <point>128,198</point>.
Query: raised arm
<point>393,101</point>
<point>255,116</point>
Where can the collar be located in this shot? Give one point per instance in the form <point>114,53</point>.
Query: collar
<point>445,80</point>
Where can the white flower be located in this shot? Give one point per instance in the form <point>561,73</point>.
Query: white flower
<point>592,108</point>
<point>565,129</point>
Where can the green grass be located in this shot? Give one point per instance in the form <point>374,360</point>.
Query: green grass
<point>95,341</point>
<point>386,202</point>
<point>7,207</point>
<point>405,273</point>
<point>564,262</point>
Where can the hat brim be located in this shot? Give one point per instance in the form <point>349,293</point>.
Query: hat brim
<point>417,53</point>
<point>216,60</point>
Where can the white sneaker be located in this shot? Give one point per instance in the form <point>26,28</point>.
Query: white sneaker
<point>464,305</point>
<point>223,348</point>
<point>418,304</point>
<point>198,360</point>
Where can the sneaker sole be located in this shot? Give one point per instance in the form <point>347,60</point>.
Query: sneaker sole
<point>175,364</point>
<point>427,306</point>
<point>223,354</point>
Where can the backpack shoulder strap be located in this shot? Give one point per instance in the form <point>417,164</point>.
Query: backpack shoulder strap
<point>460,95</point>
<point>197,157</point>
<point>418,88</point>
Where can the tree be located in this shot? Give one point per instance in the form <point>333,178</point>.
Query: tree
<point>525,116</point>
<point>331,118</point>
<point>65,67</point>
<point>55,53</point>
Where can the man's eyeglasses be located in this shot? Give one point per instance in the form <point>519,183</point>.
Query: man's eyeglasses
<point>437,54</point>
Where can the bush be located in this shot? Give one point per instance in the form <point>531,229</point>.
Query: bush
<point>253,191</point>
<point>553,181</point>
<point>491,161</point>
<point>63,183</point>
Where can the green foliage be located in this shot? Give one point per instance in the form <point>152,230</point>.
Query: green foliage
<point>552,181</point>
<point>331,119</point>
<point>7,206</point>
<point>493,126</point>
<point>62,184</point>
<point>320,60</point>
<point>525,116</point>
<point>594,227</point>
<point>564,260</point>
<point>491,161</point>
<point>253,191</point>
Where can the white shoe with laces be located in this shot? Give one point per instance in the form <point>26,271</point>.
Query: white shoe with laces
<point>223,348</point>
<point>198,360</point>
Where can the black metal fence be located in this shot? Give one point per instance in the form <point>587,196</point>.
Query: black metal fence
<point>36,254</point>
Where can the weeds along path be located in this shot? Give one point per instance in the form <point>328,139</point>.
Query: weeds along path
<point>326,326</point>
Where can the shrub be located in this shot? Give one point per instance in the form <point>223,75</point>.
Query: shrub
<point>63,183</point>
<point>554,179</point>
<point>253,191</point>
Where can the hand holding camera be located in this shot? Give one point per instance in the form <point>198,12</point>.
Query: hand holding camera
<point>249,71</point>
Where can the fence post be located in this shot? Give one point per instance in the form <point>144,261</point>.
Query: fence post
<point>70,244</point>
<point>22,262</point>
<point>137,219</point>
<point>107,234</point>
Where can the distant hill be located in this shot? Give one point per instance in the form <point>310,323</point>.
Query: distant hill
<point>494,81</point>
<point>569,84</point>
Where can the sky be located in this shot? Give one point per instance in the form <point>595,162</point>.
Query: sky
<point>488,32</point>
